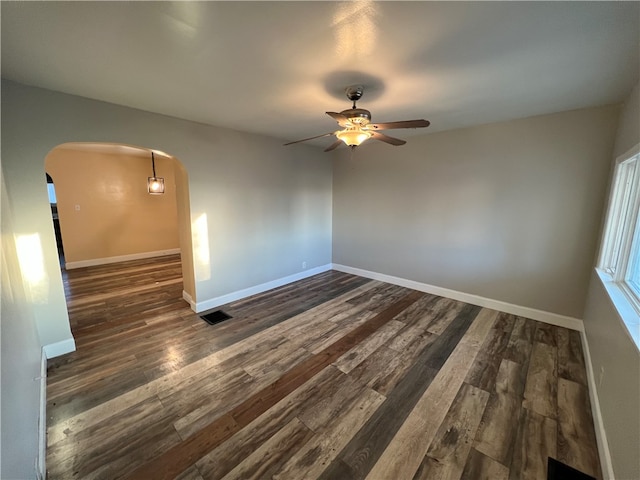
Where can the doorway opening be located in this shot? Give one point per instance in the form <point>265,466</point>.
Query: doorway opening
<point>51,191</point>
<point>104,212</point>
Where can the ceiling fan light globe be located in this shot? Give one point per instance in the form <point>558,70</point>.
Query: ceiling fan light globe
<point>353,137</point>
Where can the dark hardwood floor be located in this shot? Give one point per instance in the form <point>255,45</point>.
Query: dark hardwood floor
<point>332,377</point>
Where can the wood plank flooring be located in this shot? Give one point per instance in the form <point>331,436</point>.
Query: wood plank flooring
<point>332,377</point>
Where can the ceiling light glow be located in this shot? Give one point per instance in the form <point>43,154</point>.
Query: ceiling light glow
<point>353,136</point>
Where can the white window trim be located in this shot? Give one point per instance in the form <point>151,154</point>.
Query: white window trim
<point>612,267</point>
<point>625,309</point>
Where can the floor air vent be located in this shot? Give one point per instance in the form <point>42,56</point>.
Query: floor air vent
<point>215,317</point>
<point>559,471</point>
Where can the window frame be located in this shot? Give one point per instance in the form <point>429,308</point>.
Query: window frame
<point>619,259</point>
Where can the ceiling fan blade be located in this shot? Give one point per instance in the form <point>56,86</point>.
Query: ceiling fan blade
<point>333,146</point>
<point>310,138</point>
<point>387,139</point>
<point>402,124</point>
<point>338,117</point>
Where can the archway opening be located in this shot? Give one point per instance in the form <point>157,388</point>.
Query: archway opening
<point>106,213</point>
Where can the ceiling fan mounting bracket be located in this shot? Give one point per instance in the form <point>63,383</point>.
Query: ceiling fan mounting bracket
<point>354,93</point>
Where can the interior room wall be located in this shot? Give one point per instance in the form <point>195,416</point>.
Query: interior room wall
<point>20,356</point>
<point>507,211</point>
<point>258,209</point>
<point>103,205</point>
<point>612,349</point>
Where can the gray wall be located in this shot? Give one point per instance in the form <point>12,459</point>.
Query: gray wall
<point>611,346</point>
<point>506,211</point>
<point>21,357</point>
<point>262,209</point>
<point>267,210</point>
<point>509,211</point>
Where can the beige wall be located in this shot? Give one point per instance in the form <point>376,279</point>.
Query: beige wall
<point>612,349</point>
<point>116,216</point>
<point>507,211</point>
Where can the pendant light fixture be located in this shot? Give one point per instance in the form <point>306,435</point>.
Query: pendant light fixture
<point>155,185</point>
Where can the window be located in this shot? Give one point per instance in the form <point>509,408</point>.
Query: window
<point>52,193</point>
<point>619,263</point>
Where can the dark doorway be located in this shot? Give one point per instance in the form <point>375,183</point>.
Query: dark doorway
<point>51,190</point>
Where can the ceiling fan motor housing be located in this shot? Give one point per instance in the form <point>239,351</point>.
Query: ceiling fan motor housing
<point>357,115</point>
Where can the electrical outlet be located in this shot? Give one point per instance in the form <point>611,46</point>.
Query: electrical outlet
<point>304,264</point>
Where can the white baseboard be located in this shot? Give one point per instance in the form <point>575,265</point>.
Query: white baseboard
<point>596,413</point>
<point>41,468</point>
<point>187,298</point>
<point>59,348</point>
<point>233,296</point>
<point>120,258</point>
<point>540,315</point>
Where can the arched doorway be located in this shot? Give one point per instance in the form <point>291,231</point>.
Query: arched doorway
<point>106,213</point>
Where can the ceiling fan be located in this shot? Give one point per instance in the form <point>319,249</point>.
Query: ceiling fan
<point>357,127</point>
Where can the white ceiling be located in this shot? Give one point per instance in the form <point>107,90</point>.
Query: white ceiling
<point>275,67</point>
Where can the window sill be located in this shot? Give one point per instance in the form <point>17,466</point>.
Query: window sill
<point>627,312</point>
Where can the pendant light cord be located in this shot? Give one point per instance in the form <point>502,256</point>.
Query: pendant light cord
<point>153,165</point>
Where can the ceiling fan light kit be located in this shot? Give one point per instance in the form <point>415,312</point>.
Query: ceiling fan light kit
<point>357,127</point>
<point>353,136</point>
